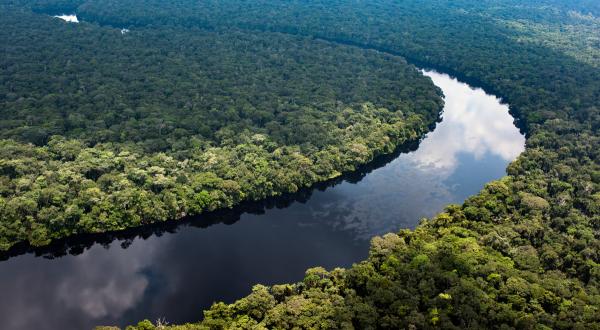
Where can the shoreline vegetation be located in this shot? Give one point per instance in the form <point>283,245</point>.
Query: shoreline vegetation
<point>276,113</point>
<point>76,244</point>
<point>524,252</point>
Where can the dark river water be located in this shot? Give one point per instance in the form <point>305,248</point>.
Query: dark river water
<point>174,271</point>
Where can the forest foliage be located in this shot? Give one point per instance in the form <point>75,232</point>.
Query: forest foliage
<point>524,252</point>
<point>103,130</point>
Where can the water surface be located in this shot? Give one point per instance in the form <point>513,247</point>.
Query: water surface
<point>72,18</point>
<point>177,275</point>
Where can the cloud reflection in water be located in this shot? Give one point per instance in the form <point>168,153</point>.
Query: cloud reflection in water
<point>471,146</point>
<point>177,275</point>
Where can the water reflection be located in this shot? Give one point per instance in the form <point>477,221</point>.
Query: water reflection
<point>145,274</point>
<point>472,145</point>
<point>473,123</point>
<point>68,18</point>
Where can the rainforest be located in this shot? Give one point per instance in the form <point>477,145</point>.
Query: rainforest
<point>126,120</point>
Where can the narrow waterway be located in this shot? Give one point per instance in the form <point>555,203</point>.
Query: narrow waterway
<point>176,272</point>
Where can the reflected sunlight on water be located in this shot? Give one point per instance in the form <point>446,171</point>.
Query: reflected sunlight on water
<point>471,146</point>
<point>175,276</point>
<point>68,18</point>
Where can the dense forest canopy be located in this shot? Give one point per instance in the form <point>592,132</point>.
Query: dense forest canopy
<point>103,130</point>
<point>159,88</point>
<point>523,253</point>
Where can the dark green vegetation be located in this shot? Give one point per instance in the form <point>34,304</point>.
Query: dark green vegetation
<point>525,252</point>
<point>102,130</point>
<point>155,89</point>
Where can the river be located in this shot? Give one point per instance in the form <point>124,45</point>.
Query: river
<point>175,271</point>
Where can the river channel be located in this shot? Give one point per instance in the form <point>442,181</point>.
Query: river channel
<point>176,271</point>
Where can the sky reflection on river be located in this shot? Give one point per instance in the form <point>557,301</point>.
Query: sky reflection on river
<point>175,276</point>
<point>72,18</point>
<point>471,146</point>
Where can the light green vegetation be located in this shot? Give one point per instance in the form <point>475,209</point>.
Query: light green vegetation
<point>523,253</point>
<point>102,131</point>
<point>575,34</point>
